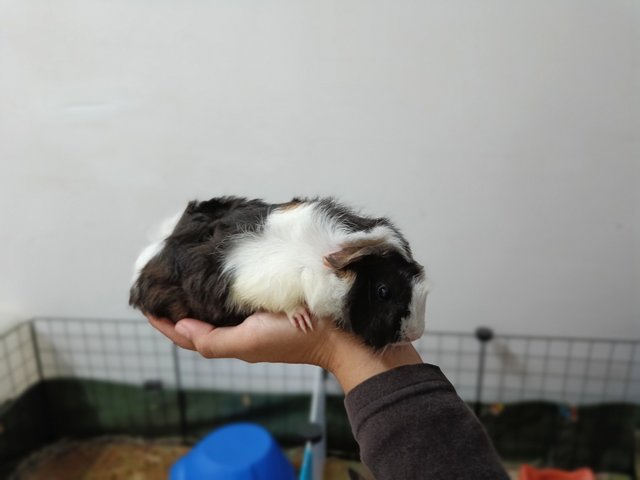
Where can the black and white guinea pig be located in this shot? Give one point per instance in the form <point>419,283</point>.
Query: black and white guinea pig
<point>228,257</point>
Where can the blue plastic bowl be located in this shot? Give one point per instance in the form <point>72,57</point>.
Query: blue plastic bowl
<point>240,451</point>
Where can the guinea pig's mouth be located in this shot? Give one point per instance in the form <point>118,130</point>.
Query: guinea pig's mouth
<point>411,335</point>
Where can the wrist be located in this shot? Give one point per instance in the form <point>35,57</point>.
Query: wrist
<point>352,362</point>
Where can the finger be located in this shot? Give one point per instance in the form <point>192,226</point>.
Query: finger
<point>200,334</point>
<point>230,342</point>
<point>167,328</point>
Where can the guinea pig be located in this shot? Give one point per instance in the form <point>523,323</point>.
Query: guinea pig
<point>228,257</point>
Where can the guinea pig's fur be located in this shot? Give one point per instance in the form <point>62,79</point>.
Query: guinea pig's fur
<point>227,257</point>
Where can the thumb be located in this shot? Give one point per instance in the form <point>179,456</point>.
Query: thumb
<point>192,328</point>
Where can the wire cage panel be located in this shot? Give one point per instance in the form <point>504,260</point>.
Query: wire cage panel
<point>524,368</point>
<point>197,372</point>
<point>515,368</point>
<point>111,350</point>
<point>574,371</point>
<point>131,352</point>
<point>18,362</point>
<point>456,354</point>
<point>94,376</point>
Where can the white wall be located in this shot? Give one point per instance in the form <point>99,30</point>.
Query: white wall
<point>503,137</point>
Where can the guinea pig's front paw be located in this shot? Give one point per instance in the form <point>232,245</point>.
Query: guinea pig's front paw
<point>301,318</point>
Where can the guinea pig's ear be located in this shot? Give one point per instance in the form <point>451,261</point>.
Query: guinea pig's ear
<point>353,252</point>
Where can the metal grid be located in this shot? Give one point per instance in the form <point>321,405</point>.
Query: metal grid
<point>113,350</point>
<point>175,382</point>
<point>18,362</point>
<point>232,375</point>
<point>185,394</point>
<point>507,368</point>
<point>513,368</point>
<point>131,352</point>
<point>577,371</point>
<point>457,354</point>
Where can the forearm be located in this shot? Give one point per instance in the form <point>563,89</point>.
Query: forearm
<point>410,423</point>
<point>407,417</point>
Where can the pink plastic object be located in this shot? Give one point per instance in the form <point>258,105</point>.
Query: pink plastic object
<point>527,472</point>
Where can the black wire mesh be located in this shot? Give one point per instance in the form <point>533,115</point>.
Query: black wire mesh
<point>572,370</point>
<point>522,367</point>
<point>85,377</point>
<point>457,354</point>
<point>20,407</point>
<point>171,391</point>
<point>18,362</point>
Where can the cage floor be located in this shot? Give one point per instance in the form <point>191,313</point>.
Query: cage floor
<point>127,458</point>
<point>102,458</point>
<point>130,458</point>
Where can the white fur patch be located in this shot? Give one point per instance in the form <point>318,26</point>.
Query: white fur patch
<point>413,326</point>
<point>282,267</point>
<point>158,236</point>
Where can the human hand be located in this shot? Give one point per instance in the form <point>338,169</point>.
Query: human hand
<point>262,337</point>
<point>270,337</point>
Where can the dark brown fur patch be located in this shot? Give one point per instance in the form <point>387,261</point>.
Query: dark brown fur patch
<point>185,278</point>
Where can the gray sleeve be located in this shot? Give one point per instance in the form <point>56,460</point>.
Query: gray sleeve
<point>411,424</point>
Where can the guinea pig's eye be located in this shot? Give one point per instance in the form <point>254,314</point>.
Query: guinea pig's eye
<point>383,292</point>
